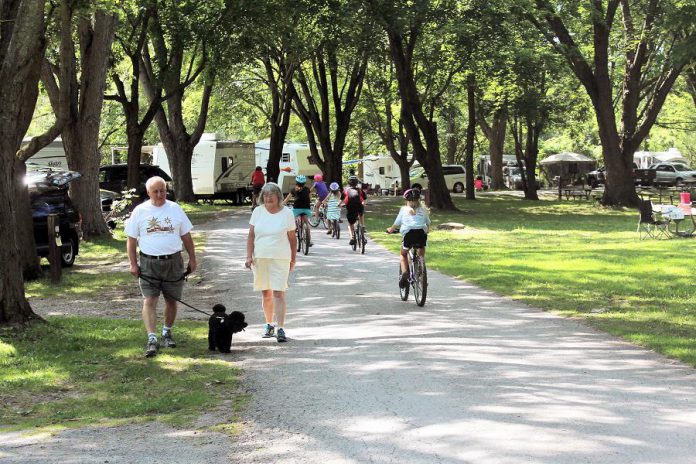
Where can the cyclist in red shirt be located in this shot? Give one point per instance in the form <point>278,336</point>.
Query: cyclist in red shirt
<point>257,182</point>
<point>354,201</point>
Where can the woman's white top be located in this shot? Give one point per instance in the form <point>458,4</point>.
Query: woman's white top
<point>158,229</point>
<point>408,221</point>
<point>271,232</point>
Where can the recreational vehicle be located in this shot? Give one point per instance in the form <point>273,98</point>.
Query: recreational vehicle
<point>220,169</point>
<point>294,161</point>
<point>380,170</point>
<point>51,156</point>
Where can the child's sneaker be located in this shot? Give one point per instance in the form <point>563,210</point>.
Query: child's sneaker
<point>269,331</point>
<point>281,336</point>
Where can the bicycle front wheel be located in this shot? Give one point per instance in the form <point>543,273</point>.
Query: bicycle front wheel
<point>305,239</point>
<point>420,281</point>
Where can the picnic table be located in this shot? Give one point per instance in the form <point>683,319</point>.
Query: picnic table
<point>676,218</point>
<point>577,193</point>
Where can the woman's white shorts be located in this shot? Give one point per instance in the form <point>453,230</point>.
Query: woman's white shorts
<point>271,274</point>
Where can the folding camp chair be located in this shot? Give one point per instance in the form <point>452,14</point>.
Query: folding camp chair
<point>648,225</point>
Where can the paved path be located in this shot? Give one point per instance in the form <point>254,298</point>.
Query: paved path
<point>469,378</point>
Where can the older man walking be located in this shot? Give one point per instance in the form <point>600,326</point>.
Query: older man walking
<point>159,227</point>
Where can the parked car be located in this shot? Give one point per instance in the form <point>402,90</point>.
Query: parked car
<point>454,177</point>
<point>673,173</point>
<point>114,177</point>
<point>598,177</point>
<point>48,193</point>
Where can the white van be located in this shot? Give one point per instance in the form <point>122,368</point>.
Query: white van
<point>455,178</point>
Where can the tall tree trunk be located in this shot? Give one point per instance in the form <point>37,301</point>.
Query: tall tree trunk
<point>22,40</point>
<point>332,108</point>
<point>470,134</point>
<point>451,136</point>
<point>279,81</point>
<point>178,143</point>
<point>361,155</point>
<point>81,131</point>
<point>495,133</point>
<point>422,132</point>
<point>531,154</point>
<point>24,224</point>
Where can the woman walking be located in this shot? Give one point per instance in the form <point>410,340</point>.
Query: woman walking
<point>271,250</point>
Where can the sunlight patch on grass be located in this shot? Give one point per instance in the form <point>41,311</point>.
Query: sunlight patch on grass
<point>69,365</point>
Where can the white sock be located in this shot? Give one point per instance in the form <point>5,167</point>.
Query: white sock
<point>152,336</point>
<point>165,329</point>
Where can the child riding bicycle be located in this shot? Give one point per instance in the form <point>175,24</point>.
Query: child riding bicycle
<point>332,202</point>
<point>413,221</point>
<point>302,203</point>
<point>354,200</point>
<point>321,190</point>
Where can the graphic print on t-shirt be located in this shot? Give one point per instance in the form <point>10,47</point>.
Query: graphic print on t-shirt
<point>154,226</point>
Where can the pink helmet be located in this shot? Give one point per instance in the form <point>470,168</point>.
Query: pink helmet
<point>318,177</point>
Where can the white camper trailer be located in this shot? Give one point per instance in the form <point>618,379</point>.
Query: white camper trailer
<point>380,170</point>
<point>294,161</point>
<point>645,159</point>
<point>51,156</point>
<point>219,169</point>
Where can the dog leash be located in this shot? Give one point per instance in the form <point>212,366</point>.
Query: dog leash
<point>147,278</point>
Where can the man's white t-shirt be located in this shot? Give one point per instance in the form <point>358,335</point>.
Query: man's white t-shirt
<point>158,229</point>
<point>271,233</point>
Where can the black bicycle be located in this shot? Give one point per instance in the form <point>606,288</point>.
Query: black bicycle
<point>417,279</point>
<point>302,231</point>
<point>360,240</point>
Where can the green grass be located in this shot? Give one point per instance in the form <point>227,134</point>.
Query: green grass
<point>573,258</point>
<point>85,371</point>
<point>93,271</point>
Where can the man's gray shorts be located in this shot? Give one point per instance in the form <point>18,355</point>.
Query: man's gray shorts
<point>158,271</point>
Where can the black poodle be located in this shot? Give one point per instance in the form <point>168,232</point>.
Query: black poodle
<point>221,326</point>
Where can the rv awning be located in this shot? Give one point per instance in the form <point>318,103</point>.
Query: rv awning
<point>567,158</point>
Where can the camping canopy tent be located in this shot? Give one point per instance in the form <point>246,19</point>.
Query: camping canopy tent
<point>566,166</point>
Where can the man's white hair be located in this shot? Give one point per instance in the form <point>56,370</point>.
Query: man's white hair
<point>154,180</point>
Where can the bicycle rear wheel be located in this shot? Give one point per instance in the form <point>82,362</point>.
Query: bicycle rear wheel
<point>305,238</point>
<point>403,292</point>
<point>337,229</point>
<point>298,232</point>
<point>420,280</point>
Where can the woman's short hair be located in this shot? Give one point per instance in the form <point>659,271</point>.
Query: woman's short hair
<point>271,188</point>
